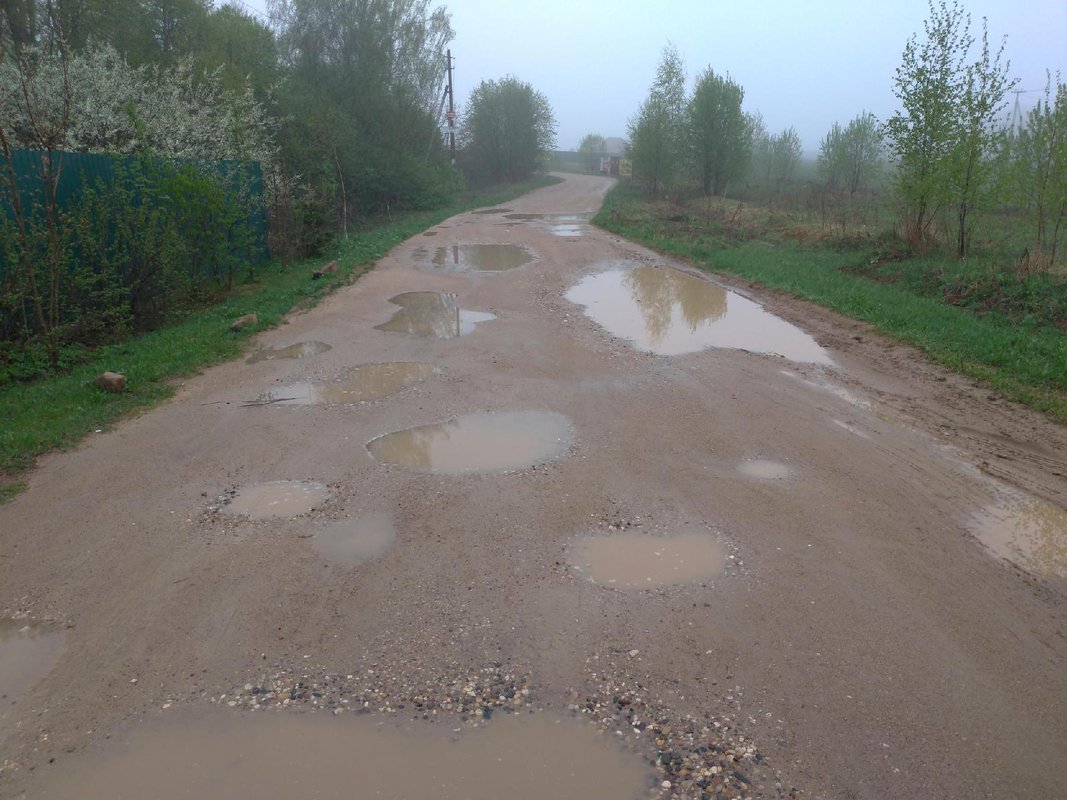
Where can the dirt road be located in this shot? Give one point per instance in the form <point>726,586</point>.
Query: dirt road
<point>848,624</point>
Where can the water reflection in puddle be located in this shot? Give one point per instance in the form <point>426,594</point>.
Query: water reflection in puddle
<point>27,652</point>
<point>488,442</point>
<point>285,756</point>
<point>1030,533</point>
<point>483,257</point>
<point>433,314</point>
<point>765,470</point>
<point>298,350</point>
<point>277,499</point>
<point>360,384</point>
<point>353,541</point>
<point>641,561</point>
<point>669,313</point>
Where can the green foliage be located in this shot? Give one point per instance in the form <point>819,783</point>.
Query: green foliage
<point>657,133</point>
<point>508,131</point>
<point>850,157</point>
<point>718,133</point>
<point>591,149</point>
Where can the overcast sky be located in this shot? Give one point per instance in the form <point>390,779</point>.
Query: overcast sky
<point>805,63</point>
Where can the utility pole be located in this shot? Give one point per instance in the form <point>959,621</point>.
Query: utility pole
<point>451,116</point>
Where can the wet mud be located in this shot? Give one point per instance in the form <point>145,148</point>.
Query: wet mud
<point>433,315</point>
<point>360,384</point>
<point>284,756</point>
<point>355,540</point>
<point>277,499</point>
<point>668,312</point>
<point>481,257</point>
<point>27,652</point>
<point>643,561</point>
<point>1028,532</point>
<point>298,350</point>
<point>762,469</point>
<point>489,442</point>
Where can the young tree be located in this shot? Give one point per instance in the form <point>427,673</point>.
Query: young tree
<point>657,133</point>
<point>718,133</point>
<point>783,156</point>
<point>850,157</point>
<point>508,129</point>
<point>591,150</point>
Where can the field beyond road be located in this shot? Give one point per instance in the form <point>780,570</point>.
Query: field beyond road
<point>852,628</point>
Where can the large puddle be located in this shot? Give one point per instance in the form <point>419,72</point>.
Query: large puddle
<point>1030,533</point>
<point>353,541</point>
<point>298,350</point>
<point>482,257</point>
<point>668,312</point>
<point>27,652</point>
<point>643,561</point>
<point>360,384</point>
<point>432,314</point>
<point>488,442</point>
<point>286,756</point>
<point>277,499</point>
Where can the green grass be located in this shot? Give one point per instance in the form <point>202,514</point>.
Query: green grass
<point>1025,363</point>
<point>57,412</point>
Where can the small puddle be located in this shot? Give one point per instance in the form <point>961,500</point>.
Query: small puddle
<point>848,426</point>
<point>277,499</point>
<point>284,756</point>
<point>435,314</point>
<point>430,233</point>
<point>298,350</point>
<point>668,312</point>
<point>1030,533</point>
<point>489,442</point>
<point>353,541</point>
<point>643,561</point>
<point>360,384</point>
<point>27,652</point>
<point>491,211</point>
<point>567,230</point>
<point>482,257</point>
<point>765,470</point>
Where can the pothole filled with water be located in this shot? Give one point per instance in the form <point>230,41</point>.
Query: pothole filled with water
<point>432,314</point>
<point>277,499</point>
<point>643,561</point>
<point>481,257</point>
<point>298,350</point>
<point>355,540</point>
<point>284,756</point>
<point>27,652</point>
<point>1028,532</point>
<point>360,384</point>
<point>762,469</point>
<point>488,442</point>
<point>668,312</point>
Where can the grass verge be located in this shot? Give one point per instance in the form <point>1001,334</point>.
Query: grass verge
<point>1027,364</point>
<point>59,411</point>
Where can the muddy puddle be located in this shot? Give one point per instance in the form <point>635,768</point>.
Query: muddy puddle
<point>1028,532</point>
<point>432,314</point>
<point>298,350</point>
<point>566,225</point>
<point>765,470</point>
<point>354,540</point>
<point>481,257</point>
<point>491,211</point>
<point>284,756</point>
<point>27,652</point>
<point>669,312</point>
<point>644,561</point>
<point>360,384</point>
<point>277,499</point>
<point>489,442</point>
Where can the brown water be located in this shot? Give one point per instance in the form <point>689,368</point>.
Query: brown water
<point>669,313</point>
<point>360,384</point>
<point>1027,532</point>
<point>277,499</point>
<point>483,257</point>
<point>765,470</point>
<point>644,561</point>
<point>298,350</point>
<point>489,442</point>
<point>281,756</point>
<point>432,314</point>
<point>357,539</point>
<point>27,652</point>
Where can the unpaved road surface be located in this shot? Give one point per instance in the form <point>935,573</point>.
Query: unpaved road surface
<point>861,639</point>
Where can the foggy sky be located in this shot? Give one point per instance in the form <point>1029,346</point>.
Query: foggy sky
<point>805,63</point>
